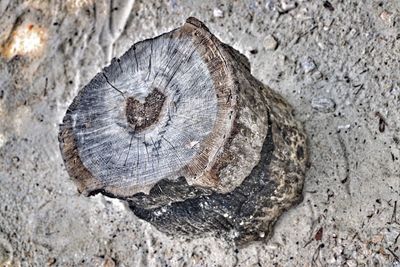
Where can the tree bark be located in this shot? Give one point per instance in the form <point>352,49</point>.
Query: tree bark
<point>180,129</point>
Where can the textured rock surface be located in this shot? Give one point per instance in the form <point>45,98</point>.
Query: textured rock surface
<point>351,187</point>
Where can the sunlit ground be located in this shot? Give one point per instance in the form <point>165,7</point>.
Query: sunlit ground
<point>26,40</point>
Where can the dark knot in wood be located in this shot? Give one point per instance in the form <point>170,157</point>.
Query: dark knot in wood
<point>142,115</point>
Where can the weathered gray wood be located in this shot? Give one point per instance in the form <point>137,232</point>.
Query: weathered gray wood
<point>180,129</point>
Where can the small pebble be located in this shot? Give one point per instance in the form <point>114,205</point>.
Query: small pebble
<point>344,127</point>
<point>2,140</point>
<point>103,261</point>
<point>317,75</point>
<point>272,246</point>
<point>109,262</point>
<point>51,261</point>
<point>6,252</point>
<point>270,42</point>
<point>218,13</point>
<point>288,5</point>
<point>308,64</point>
<point>386,16</point>
<point>271,5</point>
<point>324,105</point>
<point>352,33</point>
<point>351,263</point>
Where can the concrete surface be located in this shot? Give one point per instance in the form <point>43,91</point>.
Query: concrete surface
<point>337,63</point>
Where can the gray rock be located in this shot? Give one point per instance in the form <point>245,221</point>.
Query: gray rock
<point>270,43</point>
<point>218,13</point>
<point>6,252</point>
<point>287,5</point>
<point>323,104</point>
<point>308,64</point>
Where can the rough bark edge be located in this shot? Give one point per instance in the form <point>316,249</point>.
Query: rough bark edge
<point>236,215</point>
<point>246,214</point>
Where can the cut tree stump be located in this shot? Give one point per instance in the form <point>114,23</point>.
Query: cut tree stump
<point>180,129</point>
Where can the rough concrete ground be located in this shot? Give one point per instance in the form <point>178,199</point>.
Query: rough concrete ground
<point>337,63</point>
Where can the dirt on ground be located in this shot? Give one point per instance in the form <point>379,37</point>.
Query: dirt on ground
<point>337,62</point>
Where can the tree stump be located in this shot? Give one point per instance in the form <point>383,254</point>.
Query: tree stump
<point>180,129</point>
